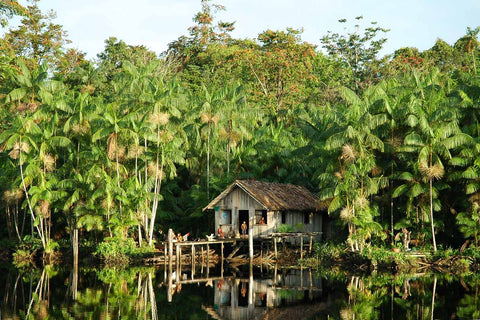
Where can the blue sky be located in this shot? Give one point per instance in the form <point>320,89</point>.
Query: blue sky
<point>155,23</point>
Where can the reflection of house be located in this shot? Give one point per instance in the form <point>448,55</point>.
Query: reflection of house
<point>242,299</point>
<point>264,206</point>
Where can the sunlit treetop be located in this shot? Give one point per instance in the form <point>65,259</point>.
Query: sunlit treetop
<point>10,8</point>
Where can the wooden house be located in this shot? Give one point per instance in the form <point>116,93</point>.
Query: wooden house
<point>264,206</point>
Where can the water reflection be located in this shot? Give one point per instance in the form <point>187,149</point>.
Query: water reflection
<point>152,293</point>
<point>246,298</point>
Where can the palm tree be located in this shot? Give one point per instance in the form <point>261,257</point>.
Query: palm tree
<point>234,128</point>
<point>19,141</point>
<point>434,133</point>
<point>357,176</point>
<point>209,117</point>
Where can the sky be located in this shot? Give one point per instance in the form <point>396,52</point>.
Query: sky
<point>156,23</point>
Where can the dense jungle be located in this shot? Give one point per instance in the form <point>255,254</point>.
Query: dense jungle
<point>102,156</point>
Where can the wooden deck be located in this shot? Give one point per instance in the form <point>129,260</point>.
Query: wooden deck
<point>201,254</point>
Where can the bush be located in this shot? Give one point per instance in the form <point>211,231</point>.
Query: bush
<point>22,258</point>
<point>116,250</point>
<point>461,266</point>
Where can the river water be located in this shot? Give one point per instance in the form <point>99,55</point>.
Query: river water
<point>233,293</point>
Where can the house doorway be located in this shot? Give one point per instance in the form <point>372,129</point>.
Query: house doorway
<point>242,216</point>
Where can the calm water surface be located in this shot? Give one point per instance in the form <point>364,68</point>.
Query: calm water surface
<point>150,293</point>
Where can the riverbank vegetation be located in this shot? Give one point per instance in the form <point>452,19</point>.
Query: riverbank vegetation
<point>96,154</point>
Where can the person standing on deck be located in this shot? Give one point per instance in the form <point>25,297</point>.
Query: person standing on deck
<point>244,229</point>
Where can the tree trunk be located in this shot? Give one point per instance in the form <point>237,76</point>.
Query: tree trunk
<point>75,247</point>
<point>40,231</point>
<point>431,217</point>
<point>158,185</point>
<point>208,162</point>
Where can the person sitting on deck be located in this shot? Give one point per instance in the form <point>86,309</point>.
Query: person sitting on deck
<point>230,233</point>
<point>221,235</point>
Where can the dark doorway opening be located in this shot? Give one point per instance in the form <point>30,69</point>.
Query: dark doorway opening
<point>242,216</point>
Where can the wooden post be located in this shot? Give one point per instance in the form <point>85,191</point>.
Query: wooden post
<point>170,248</point>
<point>170,258</point>
<point>310,290</point>
<point>261,251</point>
<point>275,272</point>
<point>193,260</point>
<point>165,252</point>
<point>203,261</point>
<point>250,243</point>
<point>301,247</point>
<point>311,242</point>
<point>301,277</point>
<point>221,266</point>
<point>177,261</point>
<point>250,286</point>
<point>170,286</point>
<point>208,260</point>
<point>275,246</point>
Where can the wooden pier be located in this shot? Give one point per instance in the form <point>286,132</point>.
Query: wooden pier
<point>190,253</point>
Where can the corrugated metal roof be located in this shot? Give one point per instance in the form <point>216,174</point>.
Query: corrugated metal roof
<point>273,196</point>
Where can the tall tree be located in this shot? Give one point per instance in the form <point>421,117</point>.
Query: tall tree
<point>469,44</point>
<point>359,52</point>
<point>37,38</point>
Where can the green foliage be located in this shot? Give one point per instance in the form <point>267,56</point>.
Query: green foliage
<point>22,258</point>
<point>286,228</point>
<point>134,143</point>
<point>116,251</point>
<point>328,251</point>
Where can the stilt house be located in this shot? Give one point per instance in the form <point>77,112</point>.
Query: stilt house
<point>264,206</point>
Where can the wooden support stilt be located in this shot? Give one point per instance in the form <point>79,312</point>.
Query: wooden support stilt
<point>275,272</point>
<point>208,260</point>
<point>170,250</point>
<point>170,267</point>
<point>301,247</point>
<point>261,257</point>
<point>275,246</point>
<point>178,262</point>
<point>310,290</point>
<point>311,242</point>
<point>193,261</point>
<point>301,277</point>
<point>165,249</point>
<point>250,243</point>
<point>203,260</point>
